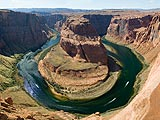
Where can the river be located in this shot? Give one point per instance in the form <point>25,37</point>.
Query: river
<point>118,96</point>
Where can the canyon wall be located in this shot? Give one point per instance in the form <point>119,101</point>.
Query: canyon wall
<point>100,22</point>
<point>54,21</point>
<point>136,30</point>
<point>141,32</point>
<point>20,32</point>
<point>126,27</point>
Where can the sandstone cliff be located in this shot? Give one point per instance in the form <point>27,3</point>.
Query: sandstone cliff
<point>141,32</point>
<point>125,27</point>
<point>151,33</point>
<point>20,32</point>
<point>99,21</point>
<point>80,39</point>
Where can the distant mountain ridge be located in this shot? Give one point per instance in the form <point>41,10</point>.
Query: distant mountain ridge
<point>50,10</point>
<point>70,10</point>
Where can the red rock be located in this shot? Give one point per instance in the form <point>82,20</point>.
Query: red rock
<point>126,28</point>
<point>3,116</point>
<point>9,100</point>
<point>6,109</point>
<point>19,118</point>
<point>4,104</point>
<point>30,117</point>
<point>80,39</point>
<point>21,29</point>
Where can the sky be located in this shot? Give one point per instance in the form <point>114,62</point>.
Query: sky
<point>81,4</point>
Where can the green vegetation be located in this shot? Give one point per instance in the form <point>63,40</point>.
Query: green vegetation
<point>78,66</point>
<point>42,54</point>
<point>8,71</point>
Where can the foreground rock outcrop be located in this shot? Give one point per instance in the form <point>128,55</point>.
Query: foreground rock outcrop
<point>20,32</point>
<point>78,65</point>
<point>11,111</point>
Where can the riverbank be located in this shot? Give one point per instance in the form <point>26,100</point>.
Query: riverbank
<point>35,105</point>
<point>140,78</point>
<point>147,63</point>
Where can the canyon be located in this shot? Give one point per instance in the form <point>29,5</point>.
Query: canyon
<point>20,32</point>
<point>79,62</point>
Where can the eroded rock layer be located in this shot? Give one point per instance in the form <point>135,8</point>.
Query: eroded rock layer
<point>80,39</point>
<point>141,32</point>
<point>20,32</point>
<point>127,27</point>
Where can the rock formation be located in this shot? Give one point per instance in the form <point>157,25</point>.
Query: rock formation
<point>143,32</point>
<point>79,63</point>
<point>151,33</point>
<point>76,68</point>
<point>80,39</point>
<point>20,32</point>
<point>125,27</point>
<point>10,111</point>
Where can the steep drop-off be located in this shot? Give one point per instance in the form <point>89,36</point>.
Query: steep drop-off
<point>125,27</point>
<point>54,21</point>
<point>141,32</point>
<point>100,22</point>
<point>20,32</point>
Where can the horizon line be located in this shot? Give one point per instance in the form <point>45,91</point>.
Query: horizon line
<point>81,8</point>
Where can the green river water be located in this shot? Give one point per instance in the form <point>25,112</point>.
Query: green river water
<point>118,96</point>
